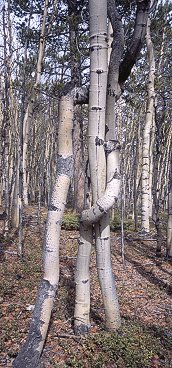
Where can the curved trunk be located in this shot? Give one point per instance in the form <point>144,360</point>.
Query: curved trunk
<point>31,350</point>
<point>99,106</point>
<point>103,250</point>
<point>97,159</point>
<point>96,132</point>
<point>106,201</point>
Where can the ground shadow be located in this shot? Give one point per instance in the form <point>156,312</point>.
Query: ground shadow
<point>147,252</point>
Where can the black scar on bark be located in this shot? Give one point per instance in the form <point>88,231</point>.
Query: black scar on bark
<point>28,356</point>
<point>82,329</point>
<point>53,208</point>
<point>65,166</point>
<point>101,209</point>
<point>99,142</point>
<point>85,281</point>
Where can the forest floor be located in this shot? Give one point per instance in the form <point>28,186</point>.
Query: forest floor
<point>144,288</point>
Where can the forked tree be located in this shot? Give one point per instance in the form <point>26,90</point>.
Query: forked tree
<point>105,89</point>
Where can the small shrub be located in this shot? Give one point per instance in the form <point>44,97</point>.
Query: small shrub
<point>115,223</point>
<point>133,346</point>
<point>70,221</point>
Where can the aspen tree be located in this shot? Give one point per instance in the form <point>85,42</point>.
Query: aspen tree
<point>30,106</point>
<point>146,146</point>
<point>102,199</point>
<point>32,348</point>
<point>96,134</point>
<point>6,114</point>
<point>103,195</point>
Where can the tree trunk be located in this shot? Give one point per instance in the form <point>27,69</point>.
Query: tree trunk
<point>102,199</point>
<point>169,224</point>
<point>79,176</point>
<point>31,350</point>
<point>6,109</point>
<point>30,106</point>
<point>82,281</point>
<point>146,152</point>
<point>75,66</point>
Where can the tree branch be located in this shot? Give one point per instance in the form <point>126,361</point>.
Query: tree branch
<point>137,40</point>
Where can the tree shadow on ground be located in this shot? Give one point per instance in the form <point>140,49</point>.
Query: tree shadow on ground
<point>149,276</point>
<point>68,283</point>
<point>148,252</point>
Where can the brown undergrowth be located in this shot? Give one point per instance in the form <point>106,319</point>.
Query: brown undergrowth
<point>144,289</point>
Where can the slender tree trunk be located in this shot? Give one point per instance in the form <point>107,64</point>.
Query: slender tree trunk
<point>6,111</point>
<point>102,199</point>
<point>30,106</point>
<point>82,281</point>
<point>75,66</point>
<point>96,133</point>
<point>169,224</point>
<point>79,176</point>
<point>146,153</point>
<point>32,348</point>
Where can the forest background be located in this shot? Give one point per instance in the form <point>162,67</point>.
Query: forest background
<point>44,57</point>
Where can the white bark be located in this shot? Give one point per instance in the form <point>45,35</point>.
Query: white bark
<point>15,203</point>
<point>97,95</point>
<point>146,153</point>
<point>30,353</point>
<point>105,273</point>
<point>82,280</point>
<point>97,159</point>
<point>110,39</point>
<point>106,201</point>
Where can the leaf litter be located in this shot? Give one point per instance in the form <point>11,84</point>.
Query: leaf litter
<point>144,288</point>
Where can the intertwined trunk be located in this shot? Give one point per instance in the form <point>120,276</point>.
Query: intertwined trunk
<point>103,195</point>
<point>31,350</point>
<point>96,133</point>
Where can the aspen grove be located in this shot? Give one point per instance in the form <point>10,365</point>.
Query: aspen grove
<point>85,124</point>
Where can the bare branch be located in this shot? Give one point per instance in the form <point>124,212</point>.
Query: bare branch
<point>137,40</point>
